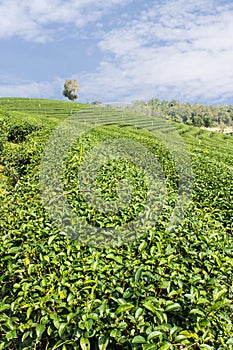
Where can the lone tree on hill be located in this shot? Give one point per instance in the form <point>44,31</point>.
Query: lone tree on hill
<point>71,88</point>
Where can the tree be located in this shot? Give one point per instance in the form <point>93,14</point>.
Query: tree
<point>207,121</point>
<point>71,88</point>
<point>197,121</point>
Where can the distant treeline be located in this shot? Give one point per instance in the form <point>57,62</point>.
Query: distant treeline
<point>190,114</point>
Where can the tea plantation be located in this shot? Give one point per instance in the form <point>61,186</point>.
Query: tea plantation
<point>162,289</point>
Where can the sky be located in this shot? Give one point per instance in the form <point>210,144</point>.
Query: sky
<point>118,50</point>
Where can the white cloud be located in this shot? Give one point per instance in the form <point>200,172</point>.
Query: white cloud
<point>33,20</point>
<point>12,88</point>
<point>179,48</point>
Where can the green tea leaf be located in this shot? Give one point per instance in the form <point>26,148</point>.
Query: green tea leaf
<point>39,330</point>
<point>172,307</point>
<point>154,334</point>
<point>149,306</point>
<point>206,347</point>
<point>11,335</point>
<point>217,294</point>
<point>84,343</point>
<point>124,308</point>
<point>61,329</point>
<point>103,342</point>
<point>138,339</point>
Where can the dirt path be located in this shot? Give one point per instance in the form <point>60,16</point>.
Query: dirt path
<point>227,130</point>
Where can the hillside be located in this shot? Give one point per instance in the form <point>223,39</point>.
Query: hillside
<point>40,107</point>
<point>161,284</point>
<point>220,116</point>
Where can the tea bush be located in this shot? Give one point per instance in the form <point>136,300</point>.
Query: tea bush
<point>164,290</point>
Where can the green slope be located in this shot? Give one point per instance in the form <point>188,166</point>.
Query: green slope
<point>163,289</point>
<point>41,107</point>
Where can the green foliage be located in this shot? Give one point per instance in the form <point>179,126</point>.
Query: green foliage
<point>18,127</point>
<point>162,291</point>
<point>71,87</point>
<point>196,115</point>
<point>41,107</point>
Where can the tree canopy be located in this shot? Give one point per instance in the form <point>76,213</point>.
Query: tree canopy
<point>71,88</point>
<point>190,114</point>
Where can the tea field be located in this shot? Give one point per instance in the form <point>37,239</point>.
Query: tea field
<point>158,289</point>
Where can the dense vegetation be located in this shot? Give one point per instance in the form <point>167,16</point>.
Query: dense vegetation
<point>163,290</point>
<point>196,114</point>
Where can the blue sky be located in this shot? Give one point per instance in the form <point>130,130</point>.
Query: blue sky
<point>118,50</point>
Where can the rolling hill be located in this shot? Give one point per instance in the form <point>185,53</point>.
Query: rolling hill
<point>130,272</point>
